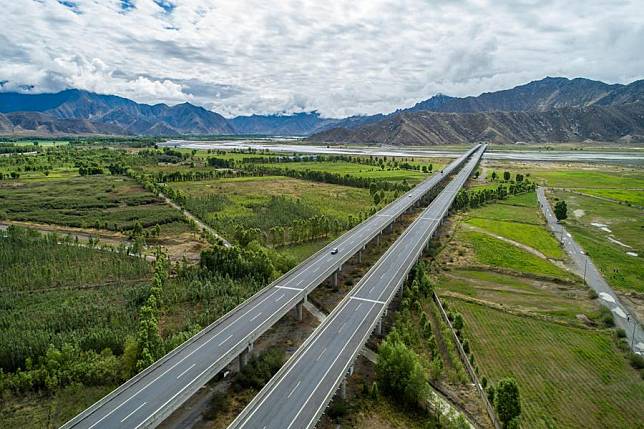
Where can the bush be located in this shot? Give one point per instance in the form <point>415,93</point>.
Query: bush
<point>606,317</point>
<point>637,361</point>
<point>338,409</point>
<point>260,369</point>
<point>219,403</point>
<point>620,333</point>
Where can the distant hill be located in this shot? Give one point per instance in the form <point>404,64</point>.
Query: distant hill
<point>543,110</point>
<point>558,125</point>
<point>111,114</point>
<point>551,109</point>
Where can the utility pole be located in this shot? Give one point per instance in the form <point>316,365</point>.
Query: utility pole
<point>585,264</point>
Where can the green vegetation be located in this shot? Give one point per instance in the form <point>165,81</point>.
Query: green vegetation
<point>561,210</point>
<point>54,294</point>
<point>569,377</point>
<point>107,202</point>
<point>628,196</point>
<point>535,236</point>
<point>285,210</point>
<point>599,227</point>
<point>343,168</point>
<point>496,253</point>
<point>400,372</point>
<point>523,296</point>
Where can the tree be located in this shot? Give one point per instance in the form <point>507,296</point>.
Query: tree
<point>506,175</point>
<point>561,210</point>
<point>506,401</point>
<point>494,175</point>
<point>376,198</point>
<point>477,174</point>
<point>400,372</point>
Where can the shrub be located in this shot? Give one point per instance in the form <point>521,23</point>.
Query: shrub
<point>637,361</point>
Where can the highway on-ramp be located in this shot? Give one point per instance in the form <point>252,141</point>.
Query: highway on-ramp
<point>152,395</point>
<point>297,395</point>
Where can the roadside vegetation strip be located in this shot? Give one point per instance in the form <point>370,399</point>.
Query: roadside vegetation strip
<point>569,377</point>
<point>493,252</point>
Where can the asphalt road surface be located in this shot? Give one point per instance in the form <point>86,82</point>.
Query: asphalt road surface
<point>594,279</point>
<point>152,395</point>
<point>298,394</point>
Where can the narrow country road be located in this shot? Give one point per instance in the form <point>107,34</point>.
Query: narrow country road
<point>194,218</point>
<point>594,279</point>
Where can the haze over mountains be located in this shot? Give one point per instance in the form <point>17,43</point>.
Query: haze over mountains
<point>551,109</point>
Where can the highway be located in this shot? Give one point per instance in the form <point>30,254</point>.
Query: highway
<point>152,395</point>
<point>298,394</point>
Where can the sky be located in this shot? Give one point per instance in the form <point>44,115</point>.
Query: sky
<point>340,58</point>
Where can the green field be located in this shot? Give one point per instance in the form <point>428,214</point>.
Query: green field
<point>104,201</point>
<point>568,377</point>
<point>268,201</point>
<point>629,196</point>
<point>561,175</point>
<point>506,211</point>
<point>535,236</point>
<point>625,223</point>
<point>523,295</point>
<point>357,170</point>
<point>496,253</point>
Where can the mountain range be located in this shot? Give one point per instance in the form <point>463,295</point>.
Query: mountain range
<point>551,109</point>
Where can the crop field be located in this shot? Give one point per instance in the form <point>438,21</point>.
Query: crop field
<point>607,231</point>
<point>357,170</point>
<point>628,196</point>
<point>268,201</point>
<point>108,202</point>
<point>568,377</point>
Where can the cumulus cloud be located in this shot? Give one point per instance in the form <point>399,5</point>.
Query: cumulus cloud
<point>338,57</point>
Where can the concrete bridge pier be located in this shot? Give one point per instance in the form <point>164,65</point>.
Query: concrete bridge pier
<point>299,309</point>
<point>379,327</point>
<point>244,356</point>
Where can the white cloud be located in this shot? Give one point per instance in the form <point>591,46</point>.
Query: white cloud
<point>337,57</point>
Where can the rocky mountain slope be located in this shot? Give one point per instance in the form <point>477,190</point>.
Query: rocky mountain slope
<point>111,114</point>
<point>602,123</point>
<point>550,109</point>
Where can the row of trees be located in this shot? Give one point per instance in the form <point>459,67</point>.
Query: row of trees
<point>472,199</point>
<point>333,178</point>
